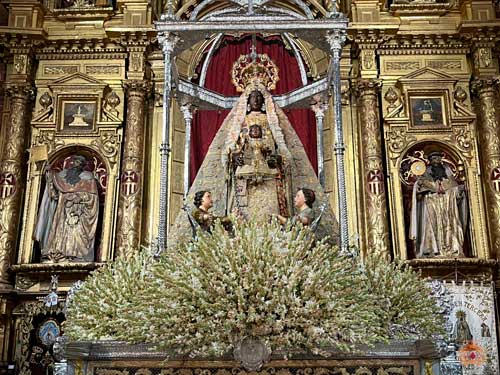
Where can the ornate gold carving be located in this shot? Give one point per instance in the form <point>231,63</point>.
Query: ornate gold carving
<point>368,59</point>
<point>375,192</point>
<point>136,61</point>
<point>482,57</point>
<point>489,131</point>
<point>60,70</point>
<point>402,65</point>
<point>460,95</point>
<point>25,313</point>
<point>47,137</point>
<point>445,64</point>
<point>24,282</point>
<point>398,140</point>
<point>129,214</point>
<point>11,175</point>
<point>21,64</point>
<point>102,69</point>
<point>109,111</point>
<point>464,141</point>
<point>109,144</point>
<point>392,97</point>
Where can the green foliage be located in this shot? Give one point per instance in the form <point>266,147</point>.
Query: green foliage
<point>204,296</point>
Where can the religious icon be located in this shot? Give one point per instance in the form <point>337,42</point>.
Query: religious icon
<point>48,332</point>
<point>485,330</point>
<point>461,333</point>
<point>256,163</point>
<point>78,115</point>
<point>439,209</point>
<point>427,111</point>
<point>68,214</point>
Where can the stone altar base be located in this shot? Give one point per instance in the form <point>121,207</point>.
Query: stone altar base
<point>116,358</point>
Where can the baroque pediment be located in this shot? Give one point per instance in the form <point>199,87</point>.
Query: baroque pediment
<point>77,79</point>
<point>427,74</point>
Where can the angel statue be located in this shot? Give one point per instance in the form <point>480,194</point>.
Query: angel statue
<point>256,162</point>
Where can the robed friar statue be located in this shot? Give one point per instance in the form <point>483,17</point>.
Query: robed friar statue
<point>68,215</point>
<point>439,211</point>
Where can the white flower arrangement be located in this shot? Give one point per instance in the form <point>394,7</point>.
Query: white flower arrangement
<point>205,296</point>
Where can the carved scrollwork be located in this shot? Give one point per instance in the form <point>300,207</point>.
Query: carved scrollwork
<point>464,141</point>
<point>398,140</point>
<point>24,282</point>
<point>48,138</point>
<point>110,113</point>
<point>108,144</point>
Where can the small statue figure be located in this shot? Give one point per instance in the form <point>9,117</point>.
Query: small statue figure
<point>67,218</point>
<point>439,211</point>
<point>462,334</point>
<point>256,183</point>
<point>304,200</point>
<point>203,203</point>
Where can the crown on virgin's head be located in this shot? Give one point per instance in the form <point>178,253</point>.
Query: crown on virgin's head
<point>253,70</point>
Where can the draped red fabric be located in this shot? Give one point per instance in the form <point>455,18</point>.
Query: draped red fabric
<point>206,123</point>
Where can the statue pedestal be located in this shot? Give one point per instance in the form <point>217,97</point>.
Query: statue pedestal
<point>109,357</point>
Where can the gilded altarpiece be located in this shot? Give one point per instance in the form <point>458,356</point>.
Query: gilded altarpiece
<point>430,110</point>
<point>75,113</point>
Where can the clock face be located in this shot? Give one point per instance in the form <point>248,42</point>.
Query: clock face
<point>48,332</point>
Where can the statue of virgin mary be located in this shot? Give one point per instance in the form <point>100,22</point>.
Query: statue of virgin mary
<point>256,162</point>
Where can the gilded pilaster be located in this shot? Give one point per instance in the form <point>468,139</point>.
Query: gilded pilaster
<point>489,141</point>
<point>376,218</point>
<point>11,175</point>
<point>132,176</point>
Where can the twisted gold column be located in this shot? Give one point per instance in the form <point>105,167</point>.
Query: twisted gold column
<point>12,175</point>
<point>489,145</point>
<point>130,201</point>
<point>375,200</point>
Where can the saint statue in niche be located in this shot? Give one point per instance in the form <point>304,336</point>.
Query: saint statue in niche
<point>256,162</point>
<point>438,210</point>
<point>68,214</point>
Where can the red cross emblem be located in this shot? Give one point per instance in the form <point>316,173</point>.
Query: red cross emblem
<point>495,178</point>
<point>7,184</point>
<point>376,181</point>
<point>130,183</point>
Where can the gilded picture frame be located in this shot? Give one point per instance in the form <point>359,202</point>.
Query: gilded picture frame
<point>78,115</point>
<point>427,111</point>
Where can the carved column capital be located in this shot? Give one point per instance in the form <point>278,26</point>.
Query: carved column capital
<point>137,87</point>
<point>336,39</point>
<point>367,87</point>
<point>187,110</point>
<point>319,105</point>
<point>22,91</point>
<point>481,86</point>
<point>168,41</point>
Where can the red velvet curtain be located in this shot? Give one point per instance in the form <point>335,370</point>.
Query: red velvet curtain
<point>206,123</point>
